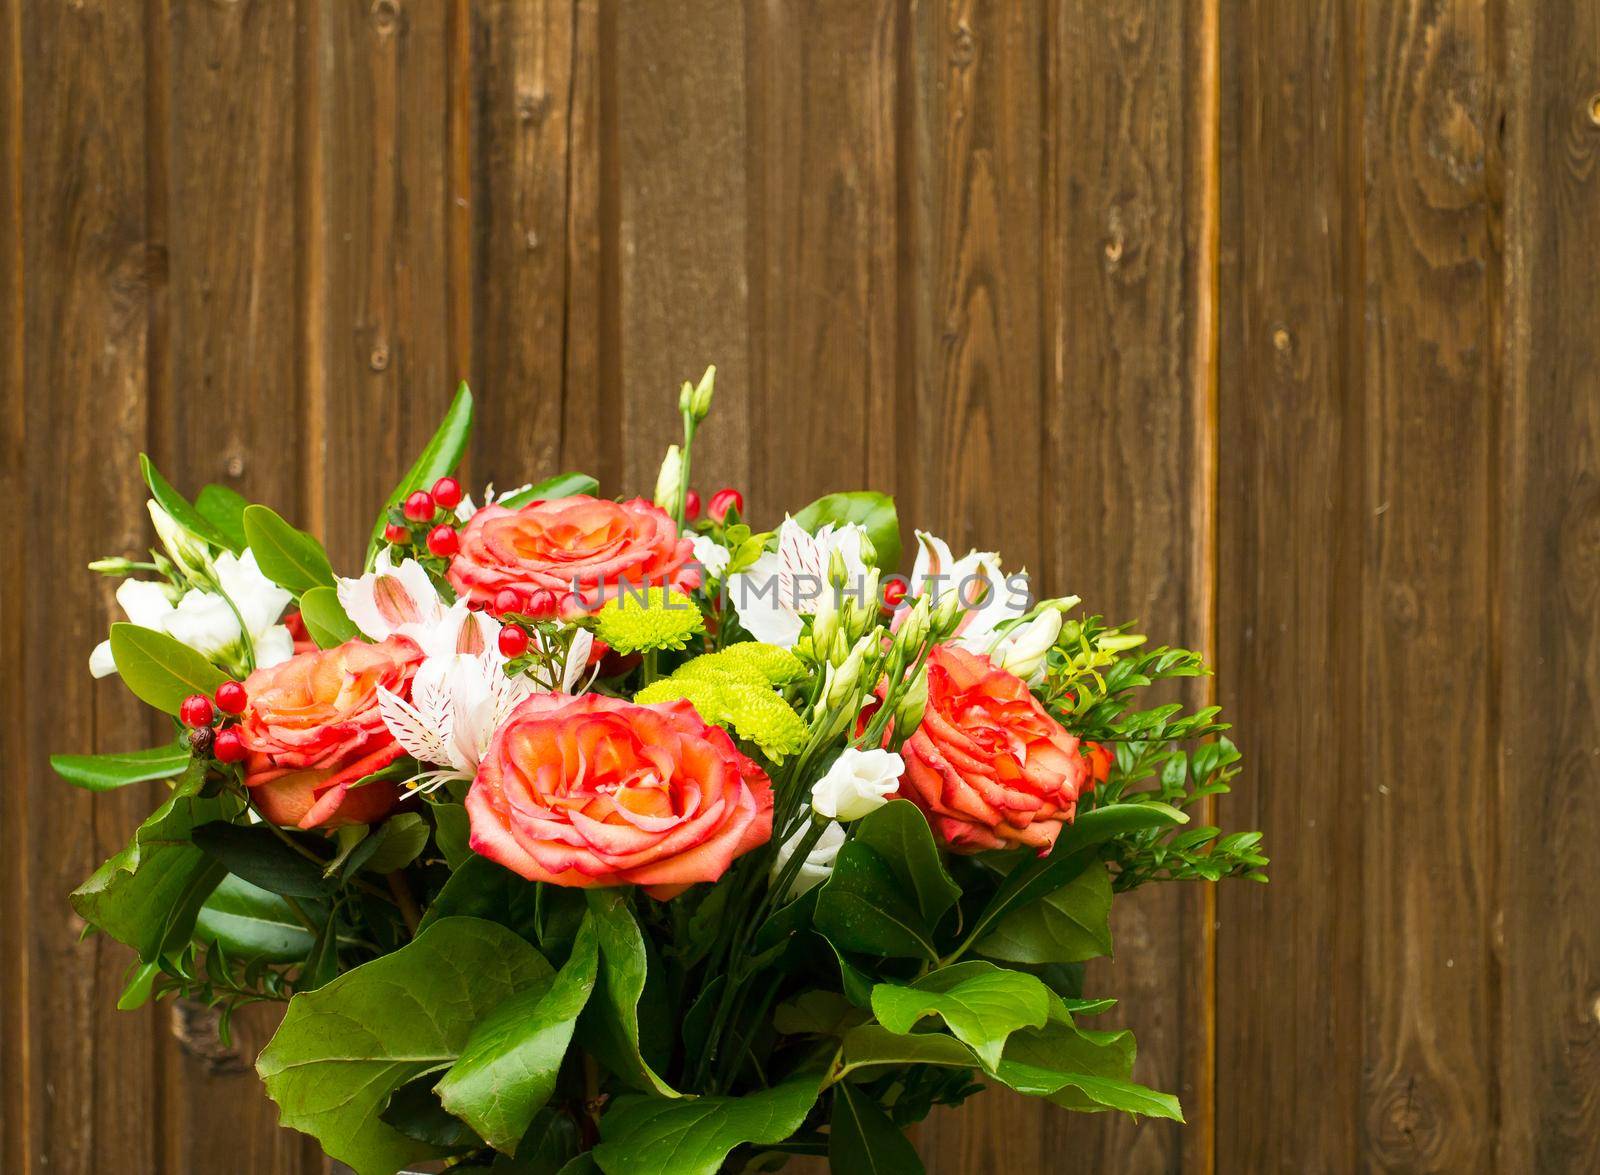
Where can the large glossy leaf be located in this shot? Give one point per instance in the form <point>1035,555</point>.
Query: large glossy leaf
<point>439,457</point>
<point>609,1026</point>
<point>224,509</point>
<point>397,843</point>
<point>482,889</point>
<point>150,893</point>
<point>344,1049</point>
<point>508,1068</point>
<point>898,832</point>
<point>252,923</point>
<point>1081,1070</point>
<point>105,772</point>
<point>289,557</point>
<point>982,1004</point>
<point>872,1045</point>
<point>176,505</point>
<point>692,1136</point>
<point>452,833</point>
<point>257,854</point>
<point>862,907</point>
<point>861,1138</point>
<point>1067,926</point>
<point>562,485</point>
<point>159,670</point>
<point>872,510</point>
<point>326,619</point>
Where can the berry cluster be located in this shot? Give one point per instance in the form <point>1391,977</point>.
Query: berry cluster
<point>198,713</point>
<point>418,519</point>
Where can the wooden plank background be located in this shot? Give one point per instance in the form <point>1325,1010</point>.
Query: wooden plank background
<point>1270,324</point>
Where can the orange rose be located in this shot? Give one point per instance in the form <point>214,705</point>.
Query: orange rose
<point>589,545</point>
<point>595,791</point>
<point>312,728</point>
<point>988,766</point>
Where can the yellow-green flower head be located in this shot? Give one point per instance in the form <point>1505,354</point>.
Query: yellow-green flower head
<point>727,697</point>
<point>664,619</point>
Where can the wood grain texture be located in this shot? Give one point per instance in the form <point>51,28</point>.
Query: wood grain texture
<point>1124,419</point>
<point>1289,1014</point>
<point>1548,569</point>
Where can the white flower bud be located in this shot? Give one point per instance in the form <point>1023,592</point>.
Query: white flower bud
<point>858,782</point>
<point>842,681</point>
<point>818,863</point>
<point>908,713</point>
<point>669,479</point>
<point>1024,648</point>
<point>699,404</point>
<point>187,550</point>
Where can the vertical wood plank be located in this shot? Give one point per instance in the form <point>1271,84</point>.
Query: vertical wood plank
<point>89,1085</point>
<point>378,370</point>
<point>225,408</point>
<point>1426,737</point>
<point>822,100</point>
<point>1548,693</point>
<point>683,281</point>
<point>1289,1004</point>
<point>1126,421</point>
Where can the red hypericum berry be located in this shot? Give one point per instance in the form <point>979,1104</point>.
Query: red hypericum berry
<point>691,506</point>
<point>196,710</point>
<point>419,506</point>
<point>513,641</point>
<point>722,501</point>
<point>395,533</point>
<point>231,697</point>
<point>893,592</point>
<point>476,605</point>
<point>447,492</point>
<point>443,541</point>
<point>541,602</point>
<point>229,747</point>
<point>507,600</point>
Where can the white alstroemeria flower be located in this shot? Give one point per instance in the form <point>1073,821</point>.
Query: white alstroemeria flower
<point>818,863</point>
<point>465,509</point>
<point>989,595</point>
<point>1023,648</point>
<point>858,782</point>
<point>784,586</point>
<point>389,600</point>
<point>711,555</point>
<point>207,622</point>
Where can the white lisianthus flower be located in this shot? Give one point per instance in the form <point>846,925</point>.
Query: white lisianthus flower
<point>711,555</point>
<point>859,782</point>
<point>1024,647</point>
<point>977,581</point>
<point>818,864</point>
<point>187,550</point>
<point>784,586</point>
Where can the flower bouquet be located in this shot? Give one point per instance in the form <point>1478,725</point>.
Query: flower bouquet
<point>581,834</point>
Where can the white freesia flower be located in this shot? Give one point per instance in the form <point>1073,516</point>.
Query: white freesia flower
<point>784,586</point>
<point>1023,648</point>
<point>858,782</point>
<point>711,555</point>
<point>988,594</point>
<point>818,863</point>
<point>205,621</point>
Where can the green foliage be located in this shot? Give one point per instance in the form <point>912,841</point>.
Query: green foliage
<point>861,1137</point>
<point>874,511</point>
<point>252,923</point>
<point>159,670</point>
<point>224,509</point>
<point>610,1025</point>
<point>183,513</point>
<point>1067,926</point>
<point>326,619</point>
<point>439,457</point>
<point>108,772</point>
<point>562,485</point>
<point>982,1004</point>
<point>290,558</point>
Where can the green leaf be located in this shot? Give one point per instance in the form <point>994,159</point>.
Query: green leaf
<point>873,1045</point>
<point>452,833</point>
<point>252,923</point>
<point>439,457</point>
<point>414,1111</point>
<point>982,1004</point>
<point>343,1050</point>
<point>1068,926</point>
<point>482,889</point>
<point>609,1026</point>
<point>861,1138</point>
<point>325,618</point>
<point>898,832</point>
<point>399,841</point>
<point>322,964</point>
<point>106,772</point>
<point>819,1012</point>
<point>175,504</point>
<point>508,1068</point>
<point>562,485</point>
<point>150,893</point>
<point>692,1136</point>
<point>1081,1070</point>
<point>159,670</point>
<point>255,853</point>
<point>861,908</point>
<point>223,508</point>
<point>874,511</point>
<point>290,558</point>
<point>549,1146</point>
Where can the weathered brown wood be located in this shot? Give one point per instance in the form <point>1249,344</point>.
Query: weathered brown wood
<point>1125,414</point>
<point>1289,1015</point>
<point>1548,554</point>
<point>1426,745</point>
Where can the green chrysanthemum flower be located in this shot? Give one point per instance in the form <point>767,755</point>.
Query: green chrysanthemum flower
<point>778,665</point>
<point>751,709</point>
<point>665,619</point>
